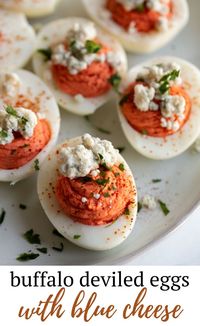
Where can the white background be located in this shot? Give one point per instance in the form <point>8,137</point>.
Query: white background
<point>11,299</point>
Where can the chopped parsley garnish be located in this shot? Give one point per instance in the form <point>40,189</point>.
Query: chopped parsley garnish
<point>117,174</point>
<point>106,195</point>
<point>122,167</point>
<point>164,208</point>
<point>115,81</point>
<point>92,47</point>
<point>22,206</point>
<point>121,149</point>
<point>42,250</point>
<point>32,237</point>
<point>124,99</point>
<point>47,53</point>
<point>2,216</point>
<point>164,81</point>
<point>60,249</point>
<point>144,132</point>
<point>156,180</point>
<point>139,207</point>
<point>11,111</point>
<point>27,257</point>
<point>24,121</point>
<point>37,165</point>
<point>85,179</point>
<point>127,211</point>
<point>55,232</point>
<point>102,182</point>
<point>3,133</point>
<point>100,156</point>
<point>104,131</point>
<point>140,7</point>
<point>106,167</point>
<point>77,236</point>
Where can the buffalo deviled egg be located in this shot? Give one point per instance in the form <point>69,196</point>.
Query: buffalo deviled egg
<point>31,8</point>
<point>159,107</point>
<point>141,25</point>
<point>79,63</point>
<point>17,40</point>
<point>88,193</point>
<point>29,124</point>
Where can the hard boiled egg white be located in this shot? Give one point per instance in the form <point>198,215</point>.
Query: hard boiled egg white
<point>31,8</point>
<point>55,32</point>
<point>139,43</point>
<point>90,237</point>
<point>17,40</point>
<point>35,90</point>
<point>171,146</point>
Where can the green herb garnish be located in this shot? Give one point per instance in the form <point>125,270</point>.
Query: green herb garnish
<point>164,81</point>
<point>77,236</point>
<point>77,53</point>
<point>3,133</point>
<point>156,180</point>
<point>42,250</point>
<point>37,165</point>
<point>55,232</point>
<point>92,47</point>
<point>115,81</point>
<point>117,174</point>
<point>22,206</point>
<point>11,111</point>
<point>144,132</point>
<point>2,216</point>
<point>124,99</point>
<point>140,7</point>
<point>47,53</point>
<point>164,208</point>
<point>60,249</point>
<point>102,182</point>
<point>127,211</point>
<point>27,257</point>
<point>32,237</point>
<point>139,207</point>
<point>100,156</point>
<point>106,195</point>
<point>122,167</point>
<point>85,179</point>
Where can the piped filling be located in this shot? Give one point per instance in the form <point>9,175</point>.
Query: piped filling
<point>81,64</point>
<point>141,16</point>
<point>156,103</point>
<point>97,197</point>
<point>22,133</point>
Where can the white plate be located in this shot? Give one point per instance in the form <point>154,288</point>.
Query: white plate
<point>179,187</point>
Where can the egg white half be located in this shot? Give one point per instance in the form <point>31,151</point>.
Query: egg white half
<point>91,237</point>
<point>35,90</point>
<point>17,40</point>
<point>30,8</point>
<point>174,145</point>
<point>56,32</point>
<point>139,43</point>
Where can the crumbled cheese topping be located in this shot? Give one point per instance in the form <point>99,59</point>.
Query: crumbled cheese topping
<point>97,196</point>
<point>84,200</point>
<point>9,86</point>
<point>16,120</point>
<point>83,159</point>
<point>148,202</point>
<point>148,95</point>
<point>75,55</point>
<point>160,6</point>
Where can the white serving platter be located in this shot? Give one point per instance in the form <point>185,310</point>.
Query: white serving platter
<point>179,187</point>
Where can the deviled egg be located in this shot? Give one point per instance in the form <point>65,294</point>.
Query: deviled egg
<point>79,63</point>
<point>29,124</point>
<point>17,40</point>
<point>142,26</point>
<point>88,193</point>
<point>159,108</point>
<point>31,8</point>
